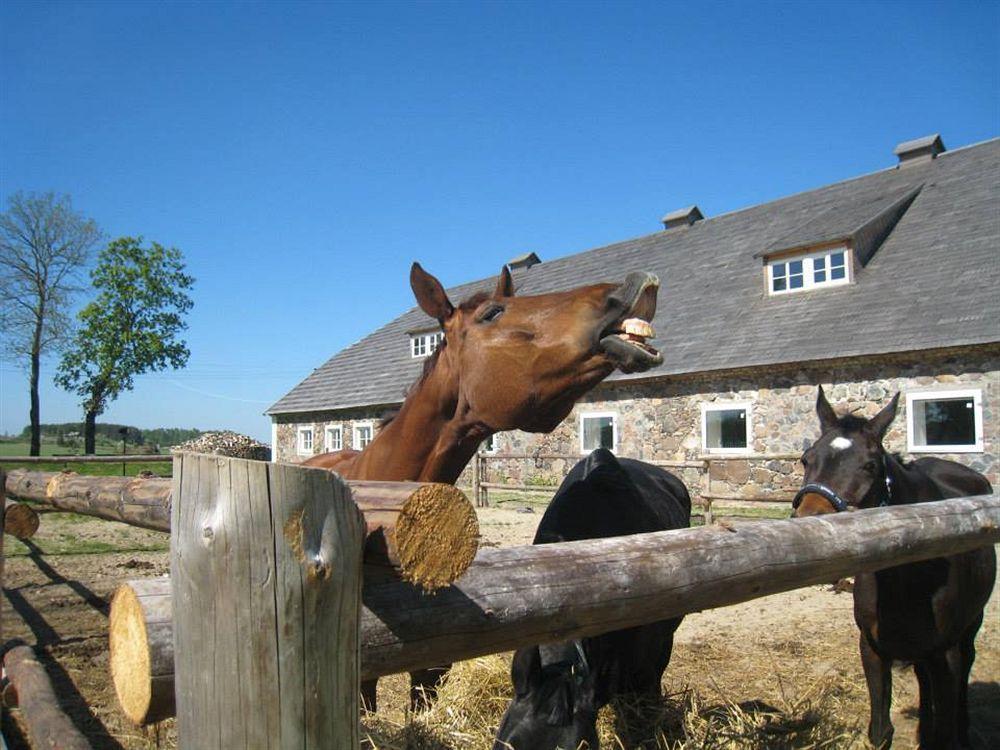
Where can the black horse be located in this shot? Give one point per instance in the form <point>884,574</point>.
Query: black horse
<point>559,688</point>
<point>925,613</point>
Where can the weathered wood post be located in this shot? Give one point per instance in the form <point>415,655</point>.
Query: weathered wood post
<point>706,494</point>
<point>477,491</point>
<point>266,579</point>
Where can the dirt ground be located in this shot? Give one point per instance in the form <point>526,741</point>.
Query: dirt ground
<point>780,651</point>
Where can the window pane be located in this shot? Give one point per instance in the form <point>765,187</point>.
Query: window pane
<point>945,422</point>
<point>779,285</point>
<point>333,440</point>
<point>819,270</point>
<point>726,428</point>
<point>598,432</point>
<point>838,269</point>
<point>795,280</point>
<point>778,269</point>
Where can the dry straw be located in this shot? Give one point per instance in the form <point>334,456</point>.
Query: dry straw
<point>472,702</point>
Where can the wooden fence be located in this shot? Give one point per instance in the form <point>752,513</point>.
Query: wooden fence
<point>704,494</point>
<point>270,636</point>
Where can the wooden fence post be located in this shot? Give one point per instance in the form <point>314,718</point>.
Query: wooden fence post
<point>706,496</point>
<point>266,579</point>
<point>477,490</point>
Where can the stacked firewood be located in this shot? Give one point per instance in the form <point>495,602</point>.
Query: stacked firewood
<point>226,443</point>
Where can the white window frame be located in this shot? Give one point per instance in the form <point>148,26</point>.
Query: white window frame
<point>328,432</point>
<point>424,344</point>
<point>710,406</point>
<point>356,438</point>
<point>597,415</point>
<point>300,441</point>
<point>808,270</point>
<point>490,444</point>
<point>977,406</point>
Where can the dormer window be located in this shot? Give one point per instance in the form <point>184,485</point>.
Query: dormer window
<point>424,344</point>
<point>799,273</point>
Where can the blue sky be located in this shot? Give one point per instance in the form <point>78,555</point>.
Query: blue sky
<point>301,155</point>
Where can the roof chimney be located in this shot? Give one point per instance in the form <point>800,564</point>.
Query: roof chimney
<point>919,150</point>
<point>523,261</point>
<point>682,217</point>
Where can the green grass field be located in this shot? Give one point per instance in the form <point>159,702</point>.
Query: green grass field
<point>22,448</point>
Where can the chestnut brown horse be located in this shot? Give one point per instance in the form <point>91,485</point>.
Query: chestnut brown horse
<point>506,363</point>
<point>925,613</point>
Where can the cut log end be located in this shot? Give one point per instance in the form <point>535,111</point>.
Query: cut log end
<point>436,536</point>
<point>20,520</point>
<point>130,661</point>
<point>141,652</point>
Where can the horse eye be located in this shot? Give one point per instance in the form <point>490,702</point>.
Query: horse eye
<point>491,313</point>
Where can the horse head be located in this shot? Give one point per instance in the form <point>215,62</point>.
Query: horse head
<point>847,467</point>
<point>555,703</point>
<point>522,362</point>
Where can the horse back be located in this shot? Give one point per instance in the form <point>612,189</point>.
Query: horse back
<point>950,478</point>
<point>604,496</point>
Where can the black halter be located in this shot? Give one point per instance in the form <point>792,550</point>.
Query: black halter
<point>839,503</point>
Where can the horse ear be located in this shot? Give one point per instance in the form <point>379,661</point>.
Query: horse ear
<point>879,424</point>
<point>526,670</point>
<point>430,294</point>
<point>505,284</point>
<point>827,416</point>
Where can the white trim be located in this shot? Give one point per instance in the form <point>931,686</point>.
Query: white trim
<point>931,395</point>
<point>427,342</point>
<point>492,438</point>
<point>327,431</point>
<point>808,270</point>
<point>598,415</point>
<point>355,439</point>
<point>300,442</point>
<point>707,407</point>
<point>274,441</point>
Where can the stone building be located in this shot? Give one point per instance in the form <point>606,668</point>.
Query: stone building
<point>886,282</point>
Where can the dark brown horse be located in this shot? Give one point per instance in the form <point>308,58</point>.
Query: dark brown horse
<point>506,363</point>
<point>925,613</point>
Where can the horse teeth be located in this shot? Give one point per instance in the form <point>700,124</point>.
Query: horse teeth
<point>638,327</point>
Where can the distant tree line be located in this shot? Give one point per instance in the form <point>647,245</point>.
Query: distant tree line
<point>107,432</point>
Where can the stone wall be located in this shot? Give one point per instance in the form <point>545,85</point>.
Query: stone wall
<point>661,419</point>
<point>289,424</point>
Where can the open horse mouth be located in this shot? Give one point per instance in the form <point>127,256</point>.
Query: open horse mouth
<point>624,338</point>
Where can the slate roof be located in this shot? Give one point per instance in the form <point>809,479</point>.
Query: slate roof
<point>932,282</point>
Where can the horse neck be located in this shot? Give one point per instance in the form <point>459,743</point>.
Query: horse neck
<point>906,485</point>
<point>430,440</point>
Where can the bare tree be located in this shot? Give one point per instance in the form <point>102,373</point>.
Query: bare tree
<point>44,247</point>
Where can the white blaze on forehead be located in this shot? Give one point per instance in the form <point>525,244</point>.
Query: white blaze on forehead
<point>840,443</point>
